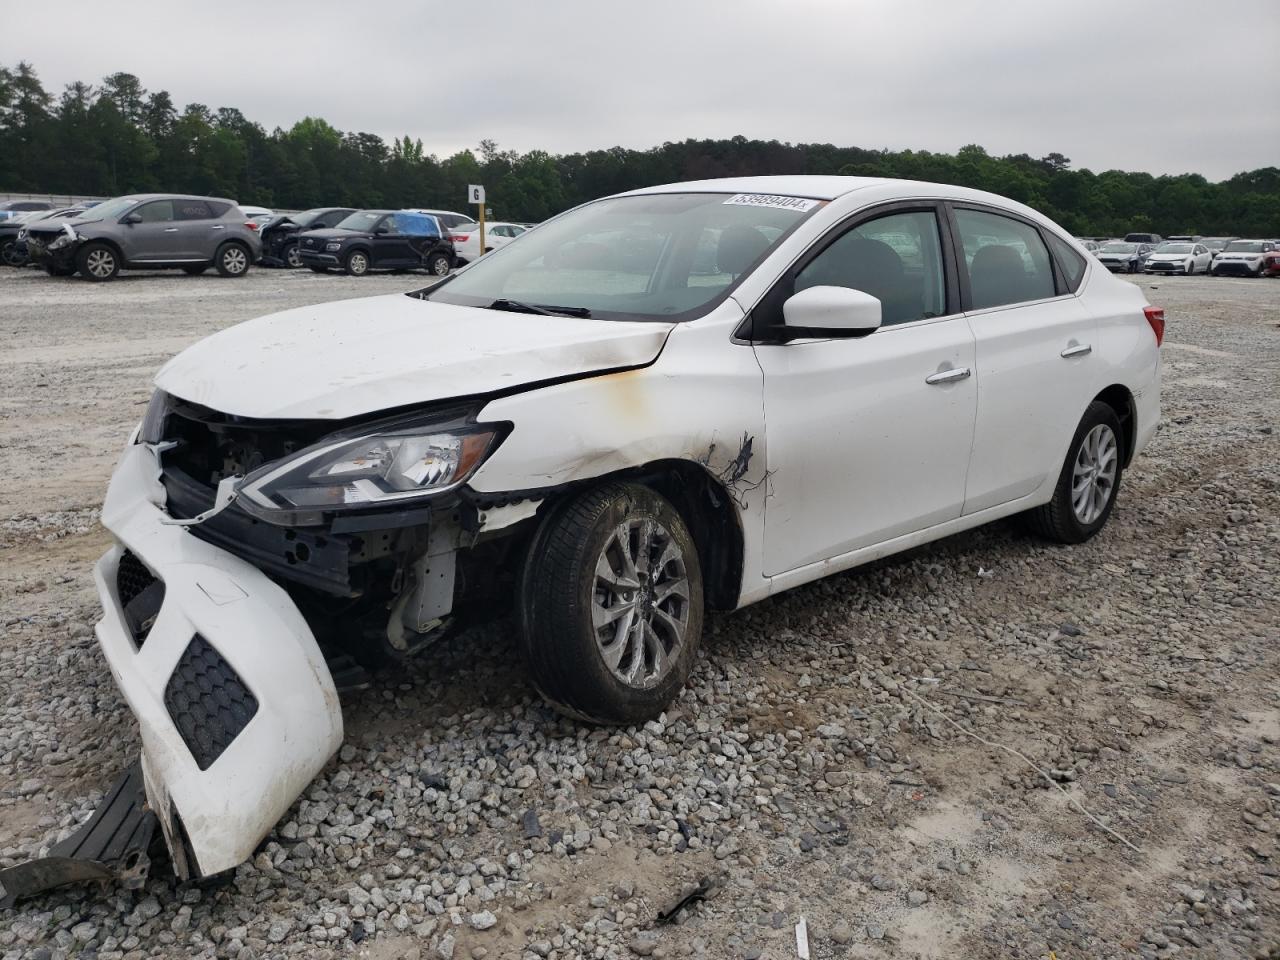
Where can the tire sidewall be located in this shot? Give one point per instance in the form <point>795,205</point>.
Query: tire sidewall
<point>599,696</point>
<point>433,260</point>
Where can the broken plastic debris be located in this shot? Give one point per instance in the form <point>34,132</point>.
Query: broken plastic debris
<point>985,573</point>
<point>802,939</point>
<point>700,892</point>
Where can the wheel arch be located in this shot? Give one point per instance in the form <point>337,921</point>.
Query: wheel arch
<point>232,241</point>
<point>1119,398</point>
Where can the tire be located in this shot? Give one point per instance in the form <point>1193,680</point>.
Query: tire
<point>9,254</point>
<point>438,265</point>
<point>232,260</point>
<point>317,269</point>
<point>1190,269</point>
<point>291,256</point>
<point>195,270</point>
<point>97,262</point>
<point>562,595</point>
<point>1074,518</point>
<point>356,264</point>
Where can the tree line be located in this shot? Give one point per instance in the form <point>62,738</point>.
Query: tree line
<point>116,138</point>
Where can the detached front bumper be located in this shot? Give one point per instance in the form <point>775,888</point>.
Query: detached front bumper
<point>236,707</point>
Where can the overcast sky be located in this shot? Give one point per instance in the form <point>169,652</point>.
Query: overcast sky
<point>1167,86</point>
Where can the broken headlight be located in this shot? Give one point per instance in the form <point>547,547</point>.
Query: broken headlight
<point>371,469</point>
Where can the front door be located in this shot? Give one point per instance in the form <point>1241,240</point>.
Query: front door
<point>155,236</point>
<point>868,439</point>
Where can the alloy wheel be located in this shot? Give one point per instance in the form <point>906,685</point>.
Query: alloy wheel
<point>358,263</point>
<point>101,263</point>
<point>640,602</point>
<point>234,260</point>
<point>292,256</point>
<point>1093,479</point>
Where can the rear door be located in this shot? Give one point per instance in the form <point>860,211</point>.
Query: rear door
<point>868,439</point>
<point>1034,351</point>
<point>199,230</point>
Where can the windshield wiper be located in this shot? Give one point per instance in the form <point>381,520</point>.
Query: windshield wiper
<point>517,306</point>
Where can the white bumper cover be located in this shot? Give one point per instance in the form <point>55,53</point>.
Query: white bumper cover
<point>252,624</point>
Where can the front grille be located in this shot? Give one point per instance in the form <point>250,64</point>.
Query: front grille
<point>208,702</point>
<point>141,594</point>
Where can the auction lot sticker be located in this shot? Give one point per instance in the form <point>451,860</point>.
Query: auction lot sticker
<point>802,204</point>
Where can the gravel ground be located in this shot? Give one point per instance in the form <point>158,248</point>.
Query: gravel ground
<point>823,763</point>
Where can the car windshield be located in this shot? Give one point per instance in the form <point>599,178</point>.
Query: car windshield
<point>1213,244</point>
<point>1175,248</point>
<point>109,209</point>
<point>361,220</point>
<point>666,256</point>
<point>1244,246</point>
<point>1119,247</point>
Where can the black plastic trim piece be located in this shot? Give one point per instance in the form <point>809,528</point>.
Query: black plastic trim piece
<point>207,701</point>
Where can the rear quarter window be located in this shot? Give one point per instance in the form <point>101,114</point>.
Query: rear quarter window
<point>1070,263</point>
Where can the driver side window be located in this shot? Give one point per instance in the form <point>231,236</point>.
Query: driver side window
<point>896,258</point>
<point>157,211</point>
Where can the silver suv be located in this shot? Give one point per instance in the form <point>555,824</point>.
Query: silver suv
<point>145,231</point>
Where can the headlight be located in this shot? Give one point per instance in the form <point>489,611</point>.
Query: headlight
<point>333,245</point>
<point>371,469</point>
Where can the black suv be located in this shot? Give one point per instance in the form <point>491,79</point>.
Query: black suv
<point>280,234</point>
<point>379,240</point>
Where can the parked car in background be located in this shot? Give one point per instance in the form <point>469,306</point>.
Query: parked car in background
<point>1152,238</point>
<point>1216,244</point>
<point>147,231</point>
<point>1090,245</point>
<point>256,215</point>
<point>1123,256</point>
<point>1179,257</point>
<point>1271,260</point>
<point>466,238</point>
<point>13,233</point>
<point>1242,258</point>
<point>10,208</point>
<point>280,233</point>
<point>591,450</point>
<point>379,240</point>
<point>449,219</point>
<point>1194,239</point>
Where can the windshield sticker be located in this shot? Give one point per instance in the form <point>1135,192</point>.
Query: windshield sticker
<point>800,204</point>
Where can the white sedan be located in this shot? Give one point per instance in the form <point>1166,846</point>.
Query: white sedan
<point>681,399</point>
<point>1179,256</point>
<point>466,238</point>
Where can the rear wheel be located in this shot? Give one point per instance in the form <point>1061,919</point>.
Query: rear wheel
<point>291,256</point>
<point>9,255</point>
<point>97,262</point>
<point>232,260</point>
<point>357,263</point>
<point>438,265</point>
<point>611,605</point>
<point>1087,485</point>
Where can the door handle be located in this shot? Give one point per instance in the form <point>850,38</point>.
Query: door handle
<point>218,227</point>
<point>1079,350</point>
<point>170,229</point>
<point>948,376</point>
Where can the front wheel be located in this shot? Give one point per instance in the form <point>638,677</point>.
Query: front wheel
<point>97,262</point>
<point>1087,485</point>
<point>9,255</point>
<point>438,265</point>
<point>232,260</point>
<point>291,256</point>
<point>611,605</point>
<point>357,263</point>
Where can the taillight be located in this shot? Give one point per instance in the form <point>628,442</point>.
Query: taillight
<point>1155,317</point>
<point>459,237</point>
<point>251,224</point>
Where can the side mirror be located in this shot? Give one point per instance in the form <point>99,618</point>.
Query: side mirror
<point>132,218</point>
<point>381,230</point>
<point>831,312</point>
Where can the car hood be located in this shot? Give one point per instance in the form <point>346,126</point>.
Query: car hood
<point>356,357</point>
<point>1170,257</point>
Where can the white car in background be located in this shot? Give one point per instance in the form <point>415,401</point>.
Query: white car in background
<point>466,238</point>
<point>1179,256</point>
<point>1245,258</point>
<point>256,217</point>
<point>685,398</point>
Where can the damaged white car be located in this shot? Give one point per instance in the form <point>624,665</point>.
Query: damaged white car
<point>680,399</point>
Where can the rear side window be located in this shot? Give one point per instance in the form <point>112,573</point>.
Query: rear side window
<point>217,209</point>
<point>415,225</point>
<point>192,210</point>
<point>1006,259</point>
<point>157,211</point>
<point>1070,264</point>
